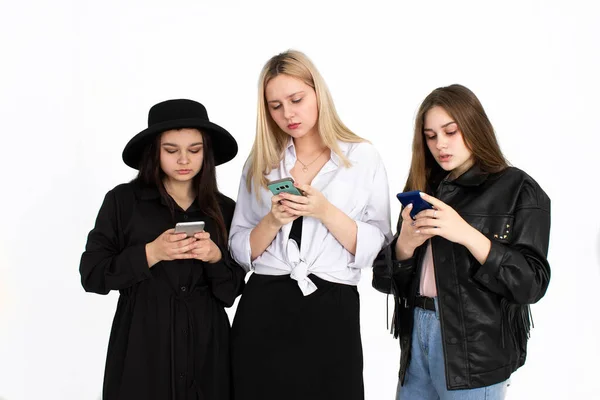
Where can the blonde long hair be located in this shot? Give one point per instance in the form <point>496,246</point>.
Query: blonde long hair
<point>270,141</point>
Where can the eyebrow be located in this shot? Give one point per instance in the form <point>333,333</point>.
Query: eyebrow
<point>443,126</point>
<point>287,97</point>
<point>174,145</point>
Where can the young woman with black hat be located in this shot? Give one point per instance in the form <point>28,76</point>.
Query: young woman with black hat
<point>170,335</point>
<point>296,332</point>
<point>464,272</point>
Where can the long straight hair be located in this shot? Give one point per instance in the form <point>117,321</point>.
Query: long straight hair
<point>204,183</point>
<point>466,110</point>
<point>269,144</point>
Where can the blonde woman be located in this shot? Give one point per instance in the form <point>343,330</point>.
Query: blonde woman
<point>296,333</point>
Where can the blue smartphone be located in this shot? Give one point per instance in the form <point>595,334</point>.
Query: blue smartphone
<point>416,200</point>
<point>284,185</point>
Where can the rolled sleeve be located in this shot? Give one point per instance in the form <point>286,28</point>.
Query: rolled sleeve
<point>373,230</point>
<point>244,220</point>
<point>369,240</point>
<point>239,245</point>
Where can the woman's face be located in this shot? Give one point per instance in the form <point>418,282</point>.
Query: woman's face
<point>445,142</point>
<point>181,154</point>
<point>292,105</point>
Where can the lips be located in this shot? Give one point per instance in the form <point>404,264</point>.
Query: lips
<point>445,157</point>
<point>294,126</point>
<point>184,171</point>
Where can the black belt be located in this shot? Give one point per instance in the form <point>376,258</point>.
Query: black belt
<point>426,303</point>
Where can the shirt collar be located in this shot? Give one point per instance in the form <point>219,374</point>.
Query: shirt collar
<point>344,147</point>
<point>149,193</point>
<point>474,176</point>
<point>145,192</point>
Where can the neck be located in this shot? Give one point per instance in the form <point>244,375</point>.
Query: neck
<point>308,145</point>
<point>179,190</point>
<point>458,171</point>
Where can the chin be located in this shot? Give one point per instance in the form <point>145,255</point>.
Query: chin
<point>294,134</point>
<point>182,178</point>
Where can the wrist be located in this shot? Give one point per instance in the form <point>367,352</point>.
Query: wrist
<point>470,237</point>
<point>217,255</point>
<point>327,213</point>
<point>150,257</point>
<point>272,222</point>
<point>402,252</point>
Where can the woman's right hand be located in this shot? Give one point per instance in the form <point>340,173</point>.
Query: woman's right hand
<point>410,237</point>
<point>263,234</point>
<point>169,246</point>
<point>278,215</point>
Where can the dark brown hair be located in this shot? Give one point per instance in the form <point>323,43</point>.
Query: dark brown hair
<point>478,133</point>
<point>204,183</point>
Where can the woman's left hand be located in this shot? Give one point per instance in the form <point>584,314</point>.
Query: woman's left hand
<point>442,221</point>
<point>204,249</point>
<point>312,204</point>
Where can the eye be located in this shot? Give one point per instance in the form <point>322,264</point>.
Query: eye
<point>427,137</point>
<point>296,101</point>
<point>195,151</point>
<point>275,107</point>
<point>171,151</point>
<point>451,133</point>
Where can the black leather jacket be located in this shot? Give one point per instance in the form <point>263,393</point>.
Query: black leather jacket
<point>484,309</point>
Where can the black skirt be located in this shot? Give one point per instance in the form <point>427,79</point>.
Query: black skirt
<point>289,346</point>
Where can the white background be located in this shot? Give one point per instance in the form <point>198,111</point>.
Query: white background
<point>77,79</point>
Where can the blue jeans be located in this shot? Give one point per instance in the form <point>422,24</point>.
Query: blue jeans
<point>426,375</point>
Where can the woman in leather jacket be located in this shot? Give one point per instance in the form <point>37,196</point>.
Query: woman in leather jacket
<point>464,272</point>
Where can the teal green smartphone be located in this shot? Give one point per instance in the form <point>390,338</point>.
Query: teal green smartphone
<point>284,185</point>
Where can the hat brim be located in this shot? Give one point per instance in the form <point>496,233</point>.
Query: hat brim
<point>224,146</point>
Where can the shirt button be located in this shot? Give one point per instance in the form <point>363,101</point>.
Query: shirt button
<point>184,331</point>
<point>485,277</point>
<point>443,258</point>
<point>454,340</point>
<point>185,217</point>
<point>181,375</point>
<point>457,379</point>
<point>183,288</point>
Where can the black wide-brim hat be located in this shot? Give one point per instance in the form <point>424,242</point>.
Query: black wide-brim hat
<point>179,114</point>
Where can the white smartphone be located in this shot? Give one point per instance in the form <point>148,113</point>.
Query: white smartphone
<point>189,228</point>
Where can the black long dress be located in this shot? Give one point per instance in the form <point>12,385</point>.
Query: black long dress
<point>289,346</point>
<point>170,334</point>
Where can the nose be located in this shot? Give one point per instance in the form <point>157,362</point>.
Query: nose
<point>441,142</point>
<point>183,158</point>
<point>288,113</point>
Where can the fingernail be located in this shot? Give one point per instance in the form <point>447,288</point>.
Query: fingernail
<point>422,194</point>
<point>410,205</point>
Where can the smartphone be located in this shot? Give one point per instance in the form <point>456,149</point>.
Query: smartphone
<point>189,228</point>
<point>284,185</point>
<point>416,200</point>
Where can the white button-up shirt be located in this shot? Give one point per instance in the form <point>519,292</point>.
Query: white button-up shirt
<point>360,191</point>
